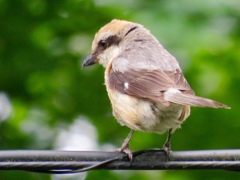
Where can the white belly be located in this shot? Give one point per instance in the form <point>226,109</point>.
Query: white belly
<point>142,115</point>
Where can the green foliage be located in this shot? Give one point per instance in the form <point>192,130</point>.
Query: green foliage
<point>42,45</point>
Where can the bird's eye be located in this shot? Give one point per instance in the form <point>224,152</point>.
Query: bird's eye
<point>102,43</point>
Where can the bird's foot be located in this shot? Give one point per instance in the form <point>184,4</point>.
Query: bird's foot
<point>125,149</point>
<point>167,148</point>
<point>167,145</point>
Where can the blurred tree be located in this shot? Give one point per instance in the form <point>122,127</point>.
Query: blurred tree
<point>42,44</point>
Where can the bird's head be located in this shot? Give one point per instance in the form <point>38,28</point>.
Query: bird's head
<point>108,42</point>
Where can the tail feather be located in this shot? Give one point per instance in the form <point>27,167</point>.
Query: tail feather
<point>178,97</point>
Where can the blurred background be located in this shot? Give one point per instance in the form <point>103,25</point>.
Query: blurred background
<point>48,102</point>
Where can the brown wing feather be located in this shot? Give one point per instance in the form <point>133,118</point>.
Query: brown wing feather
<point>147,84</point>
<point>180,82</point>
<point>156,86</point>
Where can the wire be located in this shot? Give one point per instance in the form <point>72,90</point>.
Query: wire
<point>65,162</point>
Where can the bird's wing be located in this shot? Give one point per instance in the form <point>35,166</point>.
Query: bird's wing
<point>156,86</point>
<point>147,84</point>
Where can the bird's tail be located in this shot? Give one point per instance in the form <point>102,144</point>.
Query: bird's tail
<point>192,100</point>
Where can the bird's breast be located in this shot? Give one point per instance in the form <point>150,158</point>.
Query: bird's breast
<point>143,115</point>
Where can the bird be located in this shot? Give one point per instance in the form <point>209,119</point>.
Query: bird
<point>145,84</point>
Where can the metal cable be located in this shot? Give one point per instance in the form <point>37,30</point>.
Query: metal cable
<point>61,162</point>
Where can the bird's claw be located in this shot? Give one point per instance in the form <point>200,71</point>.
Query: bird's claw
<point>167,148</point>
<point>125,149</point>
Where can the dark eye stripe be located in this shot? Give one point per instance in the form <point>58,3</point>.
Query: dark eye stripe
<point>111,40</point>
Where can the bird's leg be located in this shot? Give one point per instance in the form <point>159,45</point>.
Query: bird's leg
<point>125,147</point>
<point>167,145</point>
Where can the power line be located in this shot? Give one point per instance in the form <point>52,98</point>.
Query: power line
<point>60,162</point>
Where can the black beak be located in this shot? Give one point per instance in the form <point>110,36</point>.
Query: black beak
<point>89,60</point>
